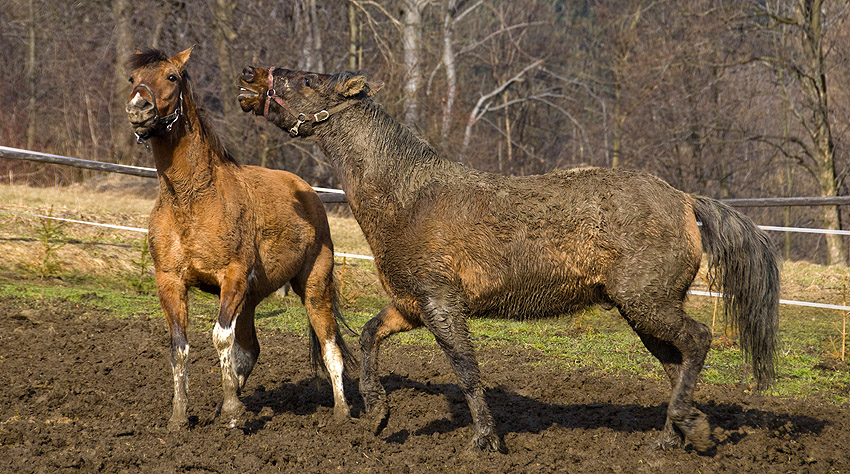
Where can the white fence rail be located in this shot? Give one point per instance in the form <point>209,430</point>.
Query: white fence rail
<point>338,196</point>
<point>369,257</point>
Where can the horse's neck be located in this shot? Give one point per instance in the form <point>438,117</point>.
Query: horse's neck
<point>377,158</point>
<point>186,164</point>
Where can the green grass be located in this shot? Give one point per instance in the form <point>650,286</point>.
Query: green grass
<point>105,269</point>
<point>592,339</point>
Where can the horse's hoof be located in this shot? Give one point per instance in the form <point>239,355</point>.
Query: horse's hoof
<point>342,414</point>
<point>490,443</point>
<point>233,414</point>
<point>178,424</point>
<point>378,417</point>
<point>697,431</point>
<point>666,443</point>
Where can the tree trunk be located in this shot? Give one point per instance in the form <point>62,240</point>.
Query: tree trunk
<point>122,136</point>
<point>31,78</point>
<point>824,147</point>
<point>449,10</point>
<point>223,10</point>
<point>352,37</point>
<point>411,39</point>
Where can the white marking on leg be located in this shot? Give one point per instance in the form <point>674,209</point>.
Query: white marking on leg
<point>335,366</point>
<point>223,340</point>
<point>179,364</point>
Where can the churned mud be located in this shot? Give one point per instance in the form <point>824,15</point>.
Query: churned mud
<point>83,391</point>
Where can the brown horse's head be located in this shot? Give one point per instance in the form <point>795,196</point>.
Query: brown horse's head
<point>156,101</point>
<point>291,98</point>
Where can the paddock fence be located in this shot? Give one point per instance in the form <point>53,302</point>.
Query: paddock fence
<point>329,195</point>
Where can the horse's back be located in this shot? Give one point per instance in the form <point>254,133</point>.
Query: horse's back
<point>548,244</point>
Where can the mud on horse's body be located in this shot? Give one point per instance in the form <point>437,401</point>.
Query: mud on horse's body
<point>452,242</point>
<point>238,231</point>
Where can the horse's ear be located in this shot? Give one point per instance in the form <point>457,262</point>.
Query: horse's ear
<point>351,86</point>
<point>182,57</point>
<point>357,84</point>
<point>373,87</point>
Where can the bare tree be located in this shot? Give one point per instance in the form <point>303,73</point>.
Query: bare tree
<point>224,40</point>
<point>122,139</point>
<point>806,63</point>
<point>453,12</point>
<point>31,49</point>
<point>411,40</point>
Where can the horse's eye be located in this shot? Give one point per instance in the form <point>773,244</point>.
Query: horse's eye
<point>131,79</point>
<point>307,82</point>
<point>172,78</point>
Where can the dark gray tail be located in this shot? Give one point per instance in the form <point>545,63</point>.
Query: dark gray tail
<point>351,365</point>
<point>743,261</point>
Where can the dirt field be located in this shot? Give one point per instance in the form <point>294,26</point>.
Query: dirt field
<point>82,391</point>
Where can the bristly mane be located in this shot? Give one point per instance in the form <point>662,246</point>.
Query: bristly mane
<point>153,56</point>
<point>143,58</point>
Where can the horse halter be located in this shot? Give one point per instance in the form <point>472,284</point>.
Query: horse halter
<point>300,118</point>
<point>169,120</point>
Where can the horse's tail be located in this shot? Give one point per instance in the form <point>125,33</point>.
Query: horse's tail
<point>745,263</point>
<point>349,361</point>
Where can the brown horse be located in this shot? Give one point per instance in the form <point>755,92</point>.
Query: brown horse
<point>451,242</point>
<point>237,231</point>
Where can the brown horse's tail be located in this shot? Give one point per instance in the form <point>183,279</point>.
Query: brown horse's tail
<point>745,263</point>
<point>350,362</point>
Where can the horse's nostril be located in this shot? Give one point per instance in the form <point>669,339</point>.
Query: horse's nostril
<point>248,74</point>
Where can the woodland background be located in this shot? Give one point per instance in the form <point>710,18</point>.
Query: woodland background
<point>726,98</point>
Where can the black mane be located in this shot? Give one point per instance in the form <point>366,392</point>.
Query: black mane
<point>143,58</point>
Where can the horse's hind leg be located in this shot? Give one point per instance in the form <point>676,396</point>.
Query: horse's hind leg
<point>671,361</point>
<point>386,323</point>
<point>233,300</point>
<point>172,298</point>
<point>681,345</point>
<point>318,296</point>
<point>246,347</point>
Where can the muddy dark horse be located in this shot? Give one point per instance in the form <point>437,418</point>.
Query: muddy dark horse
<point>451,242</point>
<point>238,231</point>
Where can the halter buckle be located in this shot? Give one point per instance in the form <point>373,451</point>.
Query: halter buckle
<point>321,116</point>
<point>293,132</point>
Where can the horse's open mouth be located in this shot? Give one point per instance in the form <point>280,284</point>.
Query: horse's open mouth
<point>252,89</point>
<point>247,93</point>
<point>249,100</point>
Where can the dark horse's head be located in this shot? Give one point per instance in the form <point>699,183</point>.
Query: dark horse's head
<point>156,101</point>
<point>292,98</point>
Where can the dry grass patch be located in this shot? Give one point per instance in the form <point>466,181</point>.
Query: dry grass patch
<point>103,251</point>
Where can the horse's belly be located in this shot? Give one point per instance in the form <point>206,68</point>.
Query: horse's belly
<point>532,299</point>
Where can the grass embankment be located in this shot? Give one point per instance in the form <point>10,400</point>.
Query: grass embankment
<point>107,268</point>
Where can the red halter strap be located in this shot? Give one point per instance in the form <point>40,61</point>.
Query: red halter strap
<point>300,118</point>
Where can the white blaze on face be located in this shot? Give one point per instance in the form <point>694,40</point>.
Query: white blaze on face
<point>136,99</point>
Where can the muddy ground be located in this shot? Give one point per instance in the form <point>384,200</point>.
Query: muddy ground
<point>82,391</point>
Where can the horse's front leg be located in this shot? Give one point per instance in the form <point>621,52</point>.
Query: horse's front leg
<point>389,321</point>
<point>446,319</point>
<point>233,299</point>
<point>172,298</point>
